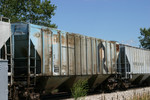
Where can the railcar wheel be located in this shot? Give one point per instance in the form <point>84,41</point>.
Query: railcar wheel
<point>34,96</point>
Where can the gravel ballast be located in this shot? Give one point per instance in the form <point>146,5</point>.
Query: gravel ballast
<point>120,95</point>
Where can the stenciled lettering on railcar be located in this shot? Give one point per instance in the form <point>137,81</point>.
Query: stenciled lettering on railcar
<point>56,69</point>
<point>138,63</point>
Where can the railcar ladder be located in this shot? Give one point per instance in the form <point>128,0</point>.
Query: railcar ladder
<point>31,69</point>
<point>9,56</point>
<point>8,53</point>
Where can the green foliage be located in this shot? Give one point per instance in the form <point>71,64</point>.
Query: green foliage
<point>79,89</point>
<point>141,97</point>
<point>145,38</point>
<point>34,11</point>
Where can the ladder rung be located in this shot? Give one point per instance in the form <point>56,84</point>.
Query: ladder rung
<point>32,84</point>
<point>21,81</point>
<point>21,58</point>
<point>21,76</point>
<point>25,67</point>
<point>32,57</point>
<point>9,54</point>
<point>21,67</point>
<point>31,87</point>
<point>32,66</point>
<point>25,58</point>
<point>32,75</point>
<point>9,73</point>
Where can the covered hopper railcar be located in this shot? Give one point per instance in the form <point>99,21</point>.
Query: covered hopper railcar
<point>52,57</point>
<point>134,64</point>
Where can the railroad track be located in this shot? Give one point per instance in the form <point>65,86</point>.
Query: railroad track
<point>57,96</point>
<point>103,95</point>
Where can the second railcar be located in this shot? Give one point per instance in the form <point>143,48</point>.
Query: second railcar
<point>134,64</point>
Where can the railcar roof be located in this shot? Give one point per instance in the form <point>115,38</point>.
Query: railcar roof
<point>125,45</point>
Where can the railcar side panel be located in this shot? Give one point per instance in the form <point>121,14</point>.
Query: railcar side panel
<point>78,54</point>
<point>64,58</point>
<point>113,59</point>
<point>56,53</point>
<point>83,55</point>
<point>71,54</point>
<point>89,54</point>
<point>94,56</point>
<point>109,57</point>
<point>47,51</point>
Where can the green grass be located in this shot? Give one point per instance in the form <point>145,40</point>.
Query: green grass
<point>141,97</point>
<point>79,89</point>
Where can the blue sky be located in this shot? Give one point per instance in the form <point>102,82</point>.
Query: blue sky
<point>118,20</point>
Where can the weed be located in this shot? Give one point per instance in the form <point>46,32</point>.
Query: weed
<point>79,89</point>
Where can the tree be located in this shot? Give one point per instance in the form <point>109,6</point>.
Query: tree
<point>145,38</point>
<point>33,11</point>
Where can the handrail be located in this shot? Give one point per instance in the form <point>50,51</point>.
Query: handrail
<point>4,19</point>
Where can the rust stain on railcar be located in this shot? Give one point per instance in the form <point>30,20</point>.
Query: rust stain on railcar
<point>56,38</point>
<point>63,39</point>
<point>47,50</point>
<point>112,42</point>
<point>46,30</point>
<point>117,47</point>
<point>71,40</point>
<point>37,35</point>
